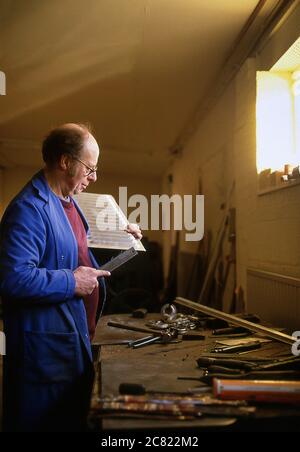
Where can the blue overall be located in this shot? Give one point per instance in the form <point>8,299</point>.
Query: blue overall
<point>48,362</point>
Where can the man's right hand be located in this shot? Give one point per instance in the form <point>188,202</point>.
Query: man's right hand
<point>86,280</point>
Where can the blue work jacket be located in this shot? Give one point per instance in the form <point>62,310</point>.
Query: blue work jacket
<point>47,339</point>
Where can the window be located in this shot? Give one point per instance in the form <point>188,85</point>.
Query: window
<point>278,122</point>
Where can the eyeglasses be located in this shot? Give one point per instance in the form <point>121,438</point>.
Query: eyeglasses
<point>90,170</point>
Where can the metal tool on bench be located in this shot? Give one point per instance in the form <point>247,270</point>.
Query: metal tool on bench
<point>271,375</point>
<point>162,336</point>
<point>171,318</point>
<point>284,369</point>
<point>230,364</point>
<point>139,342</point>
<point>254,345</point>
<point>173,327</point>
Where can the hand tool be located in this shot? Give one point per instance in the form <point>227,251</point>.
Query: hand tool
<point>126,326</point>
<point>139,389</point>
<point>258,391</point>
<point>150,340</point>
<point>253,375</point>
<point>139,313</point>
<point>166,334</point>
<point>132,388</point>
<point>182,399</point>
<point>229,363</point>
<point>231,331</point>
<point>241,357</point>
<point>168,312</point>
<point>208,378</point>
<point>119,260</point>
<point>141,340</point>
<point>237,348</point>
<point>282,364</point>
<point>222,370</point>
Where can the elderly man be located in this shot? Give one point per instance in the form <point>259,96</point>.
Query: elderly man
<point>51,289</point>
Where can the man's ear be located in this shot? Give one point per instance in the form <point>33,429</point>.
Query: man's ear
<point>64,162</point>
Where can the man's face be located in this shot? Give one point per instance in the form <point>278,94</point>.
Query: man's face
<point>78,178</point>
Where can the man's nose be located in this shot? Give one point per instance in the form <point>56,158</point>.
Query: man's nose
<point>92,177</point>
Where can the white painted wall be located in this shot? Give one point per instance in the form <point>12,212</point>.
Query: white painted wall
<point>224,149</point>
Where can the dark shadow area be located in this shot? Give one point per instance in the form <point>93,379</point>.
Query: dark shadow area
<point>136,284</point>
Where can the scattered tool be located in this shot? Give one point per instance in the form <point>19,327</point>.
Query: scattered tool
<point>242,357</point>
<point>132,388</point>
<point>229,368</point>
<point>280,364</point>
<point>237,348</point>
<point>175,407</point>
<point>219,372</point>
<point>162,335</point>
<point>230,363</point>
<point>140,342</point>
<point>182,323</point>
<point>125,326</point>
<point>139,389</point>
<point>258,391</point>
<point>208,377</point>
<point>168,312</point>
<point>139,313</point>
<point>231,331</point>
<point>164,338</point>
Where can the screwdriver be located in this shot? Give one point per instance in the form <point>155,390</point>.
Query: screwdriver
<point>231,363</point>
<point>237,348</point>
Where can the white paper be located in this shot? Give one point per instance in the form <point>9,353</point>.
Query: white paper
<point>107,223</point>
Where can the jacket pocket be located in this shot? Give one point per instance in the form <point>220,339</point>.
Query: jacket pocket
<point>51,357</point>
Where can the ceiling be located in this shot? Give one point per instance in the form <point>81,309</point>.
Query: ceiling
<point>135,69</point>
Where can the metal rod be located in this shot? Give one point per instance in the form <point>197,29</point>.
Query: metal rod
<point>269,332</point>
<point>126,326</point>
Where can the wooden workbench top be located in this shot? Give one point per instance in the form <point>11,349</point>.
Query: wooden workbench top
<point>157,367</point>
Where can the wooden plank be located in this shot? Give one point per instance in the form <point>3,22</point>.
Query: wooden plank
<point>269,332</point>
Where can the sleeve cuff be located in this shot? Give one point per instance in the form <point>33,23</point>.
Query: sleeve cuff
<point>71,284</point>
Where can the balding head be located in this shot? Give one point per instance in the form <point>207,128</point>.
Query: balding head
<point>67,139</point>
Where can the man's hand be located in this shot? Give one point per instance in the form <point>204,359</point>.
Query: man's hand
<point>86,280</point>
<point>134,229</point>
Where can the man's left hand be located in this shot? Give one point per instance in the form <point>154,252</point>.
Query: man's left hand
<point>134,229</point>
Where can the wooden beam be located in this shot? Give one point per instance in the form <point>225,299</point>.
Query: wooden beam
<point>234,320</point>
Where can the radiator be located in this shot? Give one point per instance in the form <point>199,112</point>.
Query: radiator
<point>275,298</point>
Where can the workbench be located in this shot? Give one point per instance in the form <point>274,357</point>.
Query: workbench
<point>158,366</point>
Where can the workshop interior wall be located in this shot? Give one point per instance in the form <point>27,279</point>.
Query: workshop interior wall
<point>223,150</point>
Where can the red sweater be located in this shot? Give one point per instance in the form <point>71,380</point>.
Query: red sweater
<point>91,301</point>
